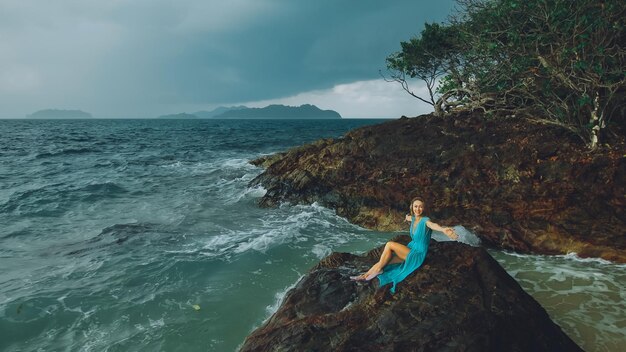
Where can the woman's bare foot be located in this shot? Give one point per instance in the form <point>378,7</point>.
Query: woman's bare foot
<point>369,275</point>
<point>373,275</point>
<point>359,277</point>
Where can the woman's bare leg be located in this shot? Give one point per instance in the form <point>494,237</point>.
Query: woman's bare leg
<point>391,248</point>
<point>395,260</point>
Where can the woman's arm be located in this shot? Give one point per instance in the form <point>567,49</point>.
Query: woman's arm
<point>448,231</point>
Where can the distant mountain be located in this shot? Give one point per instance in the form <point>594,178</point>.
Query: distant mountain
<point>181,116</point>
<point>306,111</point>
<point>59,114</point>
<point>218,111</point>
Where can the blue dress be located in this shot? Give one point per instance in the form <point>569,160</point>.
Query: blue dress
<point>418,248</point>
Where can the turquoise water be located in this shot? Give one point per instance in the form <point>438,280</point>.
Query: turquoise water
<point>143,235</point>
<point>586,297</point>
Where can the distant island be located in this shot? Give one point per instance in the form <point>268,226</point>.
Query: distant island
<point>181,116</point>
<point>305,111</point>
<point>276,111</point>
<point>218,111</point>
<point>59,114</point>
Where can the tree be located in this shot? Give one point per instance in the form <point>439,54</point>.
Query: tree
<point>560,61</point>
<point>429,58</point>
<point>564,59</point>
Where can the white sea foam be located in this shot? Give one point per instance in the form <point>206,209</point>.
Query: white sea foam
<point>260,243</point>
<point>278,299</point>
<point>250,192</point>
<point>218,243</point>
<point>94,338</point>
<point>321,250</point>
<point>237,163</point>
<point>312,228</point>
<point>173,165</point>
<point>574,256</point>
<point>159,323</point>
<point>582,295</point>
<point>225,166</point>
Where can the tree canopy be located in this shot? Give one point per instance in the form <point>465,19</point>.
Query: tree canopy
<point>561,62</point>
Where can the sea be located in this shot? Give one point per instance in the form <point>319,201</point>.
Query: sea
<point>144,235</point>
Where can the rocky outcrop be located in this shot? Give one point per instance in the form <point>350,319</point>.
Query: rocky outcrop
<point>459,300</point>
<point>518,185</point>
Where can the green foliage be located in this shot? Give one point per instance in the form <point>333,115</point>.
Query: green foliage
<point>446,84</point>
<point>561,60</point>
<point>428,57</point>
<point>431,52</point>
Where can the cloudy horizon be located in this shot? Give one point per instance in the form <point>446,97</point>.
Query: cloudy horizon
<point>140,58</point>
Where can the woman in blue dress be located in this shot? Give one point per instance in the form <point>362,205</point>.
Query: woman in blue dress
<point>397,260</point>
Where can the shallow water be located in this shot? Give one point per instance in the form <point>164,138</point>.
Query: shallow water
<point>112,230</point>
<point>586,297</point>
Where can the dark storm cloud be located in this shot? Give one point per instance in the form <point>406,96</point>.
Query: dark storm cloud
<point>310,46</point>
<point>144,57</point>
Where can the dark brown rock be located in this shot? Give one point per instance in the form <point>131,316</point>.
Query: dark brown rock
<point>518,185</point>
<point>459,300</point>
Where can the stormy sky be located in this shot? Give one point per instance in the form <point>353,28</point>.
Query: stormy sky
<point>143,58</point>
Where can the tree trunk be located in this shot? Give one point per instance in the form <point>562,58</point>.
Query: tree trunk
<point>438,109</point>
<point>596,122</point>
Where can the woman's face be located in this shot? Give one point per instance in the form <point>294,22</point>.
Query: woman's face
<point>418,208</point>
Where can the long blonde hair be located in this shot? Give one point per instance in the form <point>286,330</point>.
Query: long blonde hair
<point>415,200</point>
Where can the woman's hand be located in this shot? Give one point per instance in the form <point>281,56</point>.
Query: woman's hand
<point>408,218</point>
<point>451,233</point>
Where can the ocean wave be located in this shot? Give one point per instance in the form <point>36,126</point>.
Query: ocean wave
<point>571,256</point>
<point>208,166</point>
<point>17,233</point>
<point>250,192</point>
<point>232,189</point>
<point>238,242</point>
<point>301,226</point>
<point>583,294</point>
<point>278,299</point>
<point>321,251</point>
<point>574,256</point>
<point>275,230</point>
<point>69,151</point>
<point>54,199</point>
<point>105,187</point>
<point>221,243</point>
<point>32,200</point>
<point>109,163</point>
<point>112,235</point>
<point>263,242</point>
<point>238,163</point>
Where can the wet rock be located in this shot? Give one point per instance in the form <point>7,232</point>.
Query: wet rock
<point>459,300</point>
<point>519,186</point>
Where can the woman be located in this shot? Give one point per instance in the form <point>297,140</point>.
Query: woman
<point>397,260</point>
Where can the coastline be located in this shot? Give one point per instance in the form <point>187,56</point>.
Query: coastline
<point>520,186</point>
